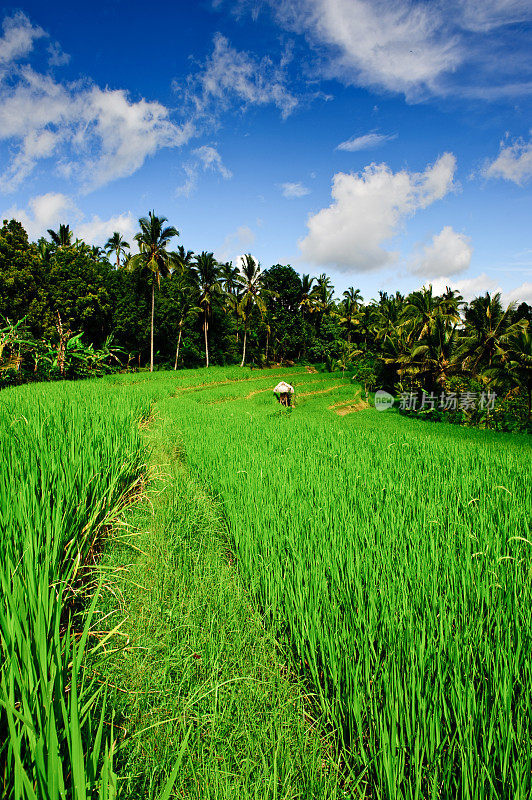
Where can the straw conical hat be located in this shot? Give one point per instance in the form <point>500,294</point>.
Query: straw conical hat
<point>283,388</point>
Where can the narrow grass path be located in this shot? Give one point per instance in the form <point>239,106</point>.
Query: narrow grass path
<point>192,660</point>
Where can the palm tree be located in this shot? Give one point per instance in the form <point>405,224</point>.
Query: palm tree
<point>385,314</point>
<point>486,330</point>
<point>249,281</point>
<point>512,361</point>
<point>182,259</point>
<point>153,256</point>
<point>44,249</point>
<point>61,238</point>
<point>349,308</point>
<point>307,303</point>
<point>229,276</point>
<point>419,314</point>
<point>323,292</point>
<point>117,245</point>
<point>206,274</point>
<point>185,297</point>
<point>435,359</point>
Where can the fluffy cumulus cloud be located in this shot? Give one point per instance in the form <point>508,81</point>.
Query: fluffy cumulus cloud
<point>43,212</point>
<point>514,162</point>
<point>94,135</point>
<point>521,294</point>
<point>367,210</point>
<point>480,284</point>
<point>231,76</point>
<point>366,142</point>
<point>449,253</point>
<point>97,231</point>
<point>53,208</point>
<point>294,190</point>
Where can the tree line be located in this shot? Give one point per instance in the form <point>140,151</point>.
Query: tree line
<point>171,307</point>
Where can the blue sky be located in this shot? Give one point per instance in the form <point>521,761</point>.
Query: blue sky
<point>385,143</point>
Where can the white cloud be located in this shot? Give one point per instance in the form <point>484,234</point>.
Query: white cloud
<point>366,142</point>
<point>231,76</point>
<point>521,294</point>
<point>96,135</point>
<point>477,286</point>
<point>490,14</point>
<point>204,158</point>
<point>399,46</point>
<point>44,211</point>
<point>415,47</point>
<point>52,209</point>
<point>448,254</point>
<point>234,243</point>
<point>211,159</point>
<point>514,162</point>
<point>293,190</point>
<point>97,231</point>
<point>56,56</point>
<point>367,209</point>
<point>18,37</point>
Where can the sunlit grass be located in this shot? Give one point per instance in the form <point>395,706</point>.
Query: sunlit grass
<point>393,559</point>
<point>389,559</point>
<point>68,456</point>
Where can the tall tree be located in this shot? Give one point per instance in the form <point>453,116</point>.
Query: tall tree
<point>183,293</point>
<point>419,314</point>
<point>307,303</point>
<point>250,281</point>
<point>154,257</point>
<point>349,308</point>
<point>487,328</point>
<point>183,259</point>
<point>116,244</point>
<point>62,237</point>
<point>206,272</point>
<point>229,277</point>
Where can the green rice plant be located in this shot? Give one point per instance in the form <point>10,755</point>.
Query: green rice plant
<point>69,456</point>
<point>394,562</point>
<point>390,558</point>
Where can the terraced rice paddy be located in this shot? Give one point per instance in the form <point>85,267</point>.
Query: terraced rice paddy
<point>389,557</point>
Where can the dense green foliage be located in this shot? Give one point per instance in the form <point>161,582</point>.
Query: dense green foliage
<point>173,308</point>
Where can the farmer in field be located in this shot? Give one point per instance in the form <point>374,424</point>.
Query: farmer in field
<point>284,394</point>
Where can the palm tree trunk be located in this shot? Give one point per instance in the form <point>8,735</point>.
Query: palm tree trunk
<point>177,348</point>
<point>244,348</point>
<point>205,325</point>
<point>267,344</point>
<point>152,316</point>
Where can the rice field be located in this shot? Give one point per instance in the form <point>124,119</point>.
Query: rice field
<point>69,455</point>
<point>390,558</point>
